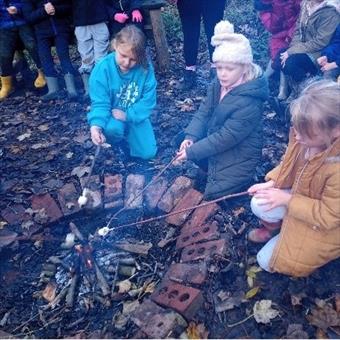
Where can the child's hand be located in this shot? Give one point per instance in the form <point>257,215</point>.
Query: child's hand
<point>329,66</point>
<point>260,186</point>
<point>121,17</point>
<point>273,198</point>
<point>49,8</point>
<point>181,157</point>
<point>12,10</point>
<point>137,16</point>
<point>97,135</point>
<point>322,60</point>
<point>186,144</point>
<point>284,56</point>
<point>119,115</point>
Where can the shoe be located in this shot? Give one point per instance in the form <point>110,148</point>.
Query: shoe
<point>283,88</point>
<point>85,77</point>
<point>40,81</point>
<point>190,79</point>
<point>277,106</point>
<point>6,87</point>
<point>70,86</point>
<point>53,89</point>
<point>259,235</point>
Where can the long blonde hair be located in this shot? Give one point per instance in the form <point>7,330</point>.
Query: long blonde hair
<point>132,36</point>
<point>317,107</point>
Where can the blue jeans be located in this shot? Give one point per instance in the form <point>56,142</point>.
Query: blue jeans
<point>61,42</point>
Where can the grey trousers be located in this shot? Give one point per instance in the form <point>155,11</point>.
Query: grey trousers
<point>93,44</point>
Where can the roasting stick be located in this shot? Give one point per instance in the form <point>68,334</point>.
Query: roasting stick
<point>101,231</point>
<point>105,230</point>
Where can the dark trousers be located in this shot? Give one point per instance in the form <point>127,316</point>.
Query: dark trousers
<point>10,39</point>
<point>190,13</point>
<point>115,27</point>
<point>61,42</point>
<point>299,66</point>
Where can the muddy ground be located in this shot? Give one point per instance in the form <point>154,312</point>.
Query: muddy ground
<point>40,145</point>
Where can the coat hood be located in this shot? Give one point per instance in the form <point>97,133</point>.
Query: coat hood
<point>257,88</point>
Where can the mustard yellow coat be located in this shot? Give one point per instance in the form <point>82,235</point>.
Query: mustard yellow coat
<point>310,233</point>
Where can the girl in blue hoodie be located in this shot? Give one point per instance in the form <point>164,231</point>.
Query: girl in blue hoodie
<point>123,94</point>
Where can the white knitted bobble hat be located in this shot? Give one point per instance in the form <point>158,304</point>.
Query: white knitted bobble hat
<point>230,47</point>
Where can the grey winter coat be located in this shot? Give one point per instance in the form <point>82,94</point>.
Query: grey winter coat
<point>315,32</point>
<point>229,135</point>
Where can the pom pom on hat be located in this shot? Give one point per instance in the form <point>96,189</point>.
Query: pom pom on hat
<point>229,46</point>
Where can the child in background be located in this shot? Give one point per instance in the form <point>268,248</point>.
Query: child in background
<point>14,29</point>
<point>125,12</point>
<point>303,192</point>
<point>225,136</point>
<point>330,57</point>
<point>279,18</point>
<point>90,19</point>
<point>123,95</point>
<point>51,20</point>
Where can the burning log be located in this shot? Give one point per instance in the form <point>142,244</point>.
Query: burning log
<point>69,300</point>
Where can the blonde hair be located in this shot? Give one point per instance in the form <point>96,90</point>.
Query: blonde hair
<point>252,72</point>
<point>317,108</point>
<point>132,36</point>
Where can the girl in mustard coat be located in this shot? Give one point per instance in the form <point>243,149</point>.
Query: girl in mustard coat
<point>301,197</point>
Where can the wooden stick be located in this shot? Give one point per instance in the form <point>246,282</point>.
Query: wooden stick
<point>182,210</point>
<point>102,281</point>
<point>71,291</point>
<point>76,232</point>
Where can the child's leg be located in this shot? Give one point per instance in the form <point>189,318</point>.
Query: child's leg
<point>114,131</point>
<point>85,48</point>
<point>212,13</point>
<point>271,216</point>
<point>27,37</point>
<point>264,255</point>
<point>8,38</point>
<point>142,141</point>
<point>62,46</point>
<point>298,66</point>
<point>101,39</point>
<point>44,50</point>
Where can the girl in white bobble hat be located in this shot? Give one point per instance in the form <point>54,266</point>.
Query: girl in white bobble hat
<point>225,135</point>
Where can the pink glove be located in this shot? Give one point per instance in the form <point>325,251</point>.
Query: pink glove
<point>121,17</point>
<point>137,16</point>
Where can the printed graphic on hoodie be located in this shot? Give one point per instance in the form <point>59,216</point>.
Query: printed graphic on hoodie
<point>127,94</point>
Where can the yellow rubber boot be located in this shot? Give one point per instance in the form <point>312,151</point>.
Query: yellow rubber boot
<point>40,81</point>
<point>6,87</point>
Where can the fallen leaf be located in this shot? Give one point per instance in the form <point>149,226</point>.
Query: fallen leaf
<point>252,292</point>
<point>337,303</point>
<point>295,331</point>
<point>69,155</point>
<point>238,211</point>
<point>129,307</point>
<point>40,146</point>
<point>120,321</point>
<point>27,225</point>
<point>124,286</point>
<point>49,293</point>
<point>24,136</point>
<point>3,224</point>
<point>43,127</point>
<point>296,299</point>
<point>80,171</point>
<point>325,316</point>
<point>197,331</point>
<point>263,312</point>
<point>187,105</point>
<point>149,287</point>
<point>7,237</point>
<point>251,275</point>
<point>321,334</point>
<point>81,138</point>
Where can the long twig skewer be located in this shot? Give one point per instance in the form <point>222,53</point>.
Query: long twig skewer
<point>142,191</point>
<point>243,193</point>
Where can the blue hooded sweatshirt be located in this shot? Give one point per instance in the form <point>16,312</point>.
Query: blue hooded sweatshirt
<point>133,92</point>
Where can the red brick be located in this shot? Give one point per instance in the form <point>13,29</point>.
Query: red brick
<point>205,232</point>
<point>154,192</point>
<point>49,205</point>
<point>165,325</point>
<point>15,214</point>
<point>200,215</point>
<point>113,191</point>
<point>191,198</point>
<point>133,186</point>
<point>94,197</point>
<point>204,250</point>
<point>68,199</point>
<point>184,300</point>
<point>157,322</point>
<point>175,193</point>
<point>193,273</point>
